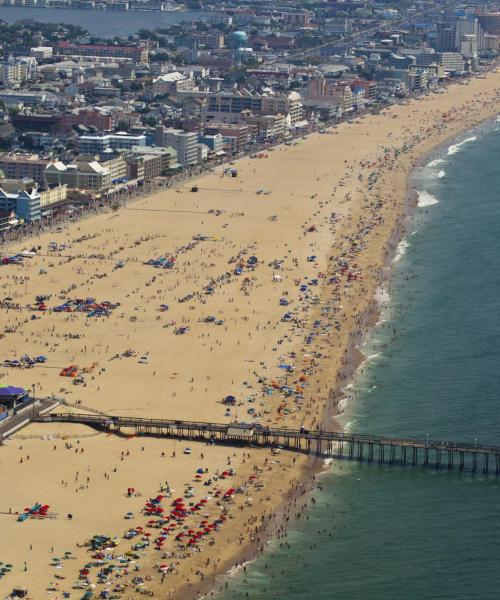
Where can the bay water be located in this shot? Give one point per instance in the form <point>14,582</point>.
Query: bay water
<point>103,23</point>
<point>392,533</point>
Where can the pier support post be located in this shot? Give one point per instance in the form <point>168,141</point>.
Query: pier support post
<point>360,451</point>
<point>450,460</point>
<point>381,454</point>
<point>370,452</point>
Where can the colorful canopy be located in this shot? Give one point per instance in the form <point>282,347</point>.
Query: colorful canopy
<point>10,390</point>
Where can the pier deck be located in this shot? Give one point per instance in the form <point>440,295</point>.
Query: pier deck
<point>340,445</point>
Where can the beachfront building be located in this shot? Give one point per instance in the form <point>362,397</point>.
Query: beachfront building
<point>147,162</point>
<point>214,142</point>
<point>235,138</point>
<point>183,142</point>
<point>54,195</point>
<point>450,61</point>
<point>418,79</point>
<point>23,201</point>
<point>98,144</point>
<point>116,165</point>
<point>8,219</point>
<point>266,127</point>
<point>82,174</point>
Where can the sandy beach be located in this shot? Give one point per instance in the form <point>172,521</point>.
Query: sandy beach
<point>270,281</point>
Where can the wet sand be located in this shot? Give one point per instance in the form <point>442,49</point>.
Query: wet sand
<point>329,222</point>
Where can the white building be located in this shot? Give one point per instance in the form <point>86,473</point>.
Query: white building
<point>97,144</point>
<point>16,71</point>
<point>41,52</point>
<point>184,142</point>
<point>171,83</point>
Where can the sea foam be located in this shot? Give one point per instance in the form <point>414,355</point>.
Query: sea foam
<point>436,162</point>
<point>441,174</point>
<point>382,295</point>
<point>401,250</point>
<point>456,147</point>
<point>425,199</point>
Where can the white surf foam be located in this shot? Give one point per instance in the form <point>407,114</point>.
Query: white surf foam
<point>382,295</point>
<point>441,174</point>
<point>453,149</point>
<point>436,162</point>
<point>425,199</point>
<point>401,250</point>
<point>343,403</point>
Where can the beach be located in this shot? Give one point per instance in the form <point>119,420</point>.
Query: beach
<point>265,298</point>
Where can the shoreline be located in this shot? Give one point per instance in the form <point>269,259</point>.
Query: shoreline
<point>374,261</point>
<point>369,318</point>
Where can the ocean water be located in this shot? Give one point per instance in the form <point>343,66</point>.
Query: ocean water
<point>392,533</point>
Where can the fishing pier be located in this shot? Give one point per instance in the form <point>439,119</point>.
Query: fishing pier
<point>334,444</point>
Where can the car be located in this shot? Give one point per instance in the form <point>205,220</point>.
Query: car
<point>187,450</point>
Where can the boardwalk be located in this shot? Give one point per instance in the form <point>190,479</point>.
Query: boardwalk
<point>25,415</point>
<point>350,446</point>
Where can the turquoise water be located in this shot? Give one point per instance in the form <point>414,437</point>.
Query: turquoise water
<point>387,533</point>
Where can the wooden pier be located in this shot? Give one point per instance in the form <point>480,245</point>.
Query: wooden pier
<point>348,446</point>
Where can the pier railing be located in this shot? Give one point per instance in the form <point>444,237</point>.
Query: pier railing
<point>335,444</point>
